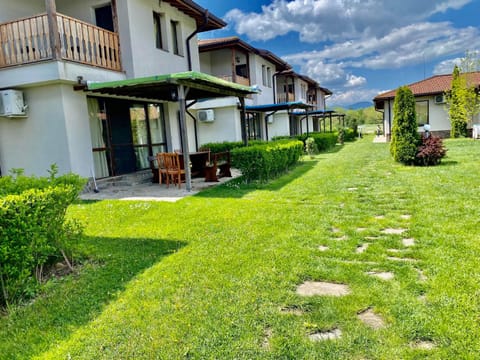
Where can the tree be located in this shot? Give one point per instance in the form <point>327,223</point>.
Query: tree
<point>457,104</point>
<point>469,64</point>
<point>405,139</point>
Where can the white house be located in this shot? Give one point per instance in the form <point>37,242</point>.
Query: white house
<point>430,104</point>
<point>278,110</point>
<point>66,115</point>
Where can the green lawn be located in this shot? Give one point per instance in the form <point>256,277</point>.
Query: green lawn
<point>209,277</point>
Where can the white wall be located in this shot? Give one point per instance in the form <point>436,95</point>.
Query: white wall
<point>226,127</point>
<point>220,63</point>
<point>36,142</point>
<point>140,57</point>
<point>266,96</point>
<point>280,125</point>
<point>83,10</point>
<point>16,9</point>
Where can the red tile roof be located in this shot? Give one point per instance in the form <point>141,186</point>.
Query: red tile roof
<point>437,84</point>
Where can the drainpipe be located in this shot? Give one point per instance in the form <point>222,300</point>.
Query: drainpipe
<point>197,30</point>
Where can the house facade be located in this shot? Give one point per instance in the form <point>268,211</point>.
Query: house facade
<point>430,104</point>
<point>92,133</point>
<point>277,110</point>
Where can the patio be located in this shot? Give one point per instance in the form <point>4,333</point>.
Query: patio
<point>148,191</point>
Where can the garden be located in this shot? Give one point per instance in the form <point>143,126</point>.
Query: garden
<point>349,255</point>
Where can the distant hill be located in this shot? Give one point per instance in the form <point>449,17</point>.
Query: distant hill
<point>359,105</point>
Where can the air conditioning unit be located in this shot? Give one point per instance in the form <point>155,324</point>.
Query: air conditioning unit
<point>206,115</point>
<point>440,99</point>
<point>11,103</point>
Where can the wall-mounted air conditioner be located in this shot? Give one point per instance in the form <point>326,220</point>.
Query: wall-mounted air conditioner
<point>206,115</point>
<point>11,103</point>
<point>439,99</point>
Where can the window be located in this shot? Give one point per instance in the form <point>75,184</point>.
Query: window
<point>253,126</point>
<point>159,31</point>
<point>264,75</point>
<point>104,17</point>
<point>421,108</point>
<point>176,38</point>
<point>269,77</point>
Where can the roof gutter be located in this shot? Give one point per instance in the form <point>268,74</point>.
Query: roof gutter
<point>197,30</point>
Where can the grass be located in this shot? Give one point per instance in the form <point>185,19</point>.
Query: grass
<point>207,277</point>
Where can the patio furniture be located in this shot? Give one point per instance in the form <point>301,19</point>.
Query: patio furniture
<point>161,170</point>
<point>173,168</point>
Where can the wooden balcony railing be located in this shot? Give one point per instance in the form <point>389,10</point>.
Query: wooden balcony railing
<point>28,40</point>
<point>238,79</point>
<point>285,97</point>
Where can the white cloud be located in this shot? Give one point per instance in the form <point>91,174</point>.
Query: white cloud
<point>355,81</point>
<point>344,98</point>
<point>335,20</point>
<point>446,66</point>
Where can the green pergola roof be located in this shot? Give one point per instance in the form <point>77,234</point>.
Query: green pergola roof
<point>164,87</point>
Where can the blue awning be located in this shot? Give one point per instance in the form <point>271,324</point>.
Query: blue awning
<point>276,107</point>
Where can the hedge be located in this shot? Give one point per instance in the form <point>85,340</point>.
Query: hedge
<point>266,161</point>
<point>33,230</point>
<point>216,147</point>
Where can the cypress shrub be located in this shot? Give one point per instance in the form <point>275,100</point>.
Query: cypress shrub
<point>405,139</point>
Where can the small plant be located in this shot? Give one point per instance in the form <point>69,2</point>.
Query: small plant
<point>341,136</point>
<point>430,152</point>
<point>311,147</point>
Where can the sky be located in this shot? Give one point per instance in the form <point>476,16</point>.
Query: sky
<point>356,48</point>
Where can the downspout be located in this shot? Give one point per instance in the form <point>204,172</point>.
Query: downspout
<point>389,122</point>
<point>194,123</point>
<point>197,30</point>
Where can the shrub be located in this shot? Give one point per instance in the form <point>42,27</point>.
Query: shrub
<point>403,146</point>
<point>310,146</point>
<point>216,147</point>
<point>324,141</point>
<point>33,230</point>
<point>430,152</point>
<point>266,161</point>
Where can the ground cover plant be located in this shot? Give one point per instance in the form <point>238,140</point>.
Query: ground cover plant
<point>222,275</point>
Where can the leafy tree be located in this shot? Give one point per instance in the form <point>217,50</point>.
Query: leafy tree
<point>457,104</point>
<point>469,64</point>
<point>405,139</point>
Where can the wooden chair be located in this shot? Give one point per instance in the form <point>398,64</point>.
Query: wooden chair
<point>162,170</point>
<point>173,168</point>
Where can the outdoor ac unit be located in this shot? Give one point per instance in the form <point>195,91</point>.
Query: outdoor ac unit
<point>11,103</point>
<point>206,115</point>
<point>440,99</point>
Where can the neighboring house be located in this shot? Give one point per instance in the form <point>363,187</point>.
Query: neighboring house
<point>430,104</point>
<point>233,59</point>
<point>269,113</point>
<point>86,127</point>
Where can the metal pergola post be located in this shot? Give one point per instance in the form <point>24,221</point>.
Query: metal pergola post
<point>182,93</point>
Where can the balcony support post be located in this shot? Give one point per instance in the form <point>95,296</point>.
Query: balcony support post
<point>51,8</point>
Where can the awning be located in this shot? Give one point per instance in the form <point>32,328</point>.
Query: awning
<point>177,87</point>
<point>164,87</point>
<point>277,107</point>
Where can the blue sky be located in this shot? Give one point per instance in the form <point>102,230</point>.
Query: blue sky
<point>356,48</point>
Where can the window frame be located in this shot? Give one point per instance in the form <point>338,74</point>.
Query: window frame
<point>427,107</point>
<point>159,31</point>
<point>176,35</point>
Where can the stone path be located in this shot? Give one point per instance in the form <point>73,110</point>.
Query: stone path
<point>367,316</point>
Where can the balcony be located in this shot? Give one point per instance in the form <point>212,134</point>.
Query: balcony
<point>28,40</point>
<point>285,97</point>
<point>237,79</point>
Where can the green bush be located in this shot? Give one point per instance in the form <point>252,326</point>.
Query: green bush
<point>266,161</point>
<point>33,230</point>
<point>324,141</point>
<point>216,147</point>
<point>405,139</point>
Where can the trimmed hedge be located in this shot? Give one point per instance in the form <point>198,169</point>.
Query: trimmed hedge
<point>266,161</point>
<point>33,230</point>
<point>216,147</point>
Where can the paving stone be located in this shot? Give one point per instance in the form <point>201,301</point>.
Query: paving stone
<point>424,345</point>
<point>362,248</point>
<point>335,230</point>
<point>393,258</point>
<point>390,231</point>
<point>395,251</point>
<point>294,310</point>
<point>406,216</point>
<point>326,335</point>
<point>343,237</point>
<point>323,248</point>
<point>320,288</point>
<point>421,275</point>
<point>382,275</point>
<point>352,189</point>
<point>371,319</point>
<point>372,237</point>
<point>380,217</point>
<point>266,338</point>
<point>408,242</point>
<point>360,229</point>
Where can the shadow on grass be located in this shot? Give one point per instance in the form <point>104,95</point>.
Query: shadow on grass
<point>237,188</point>
<point>68,303</point>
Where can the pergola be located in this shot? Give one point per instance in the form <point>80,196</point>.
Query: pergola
<point>178,87</point>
